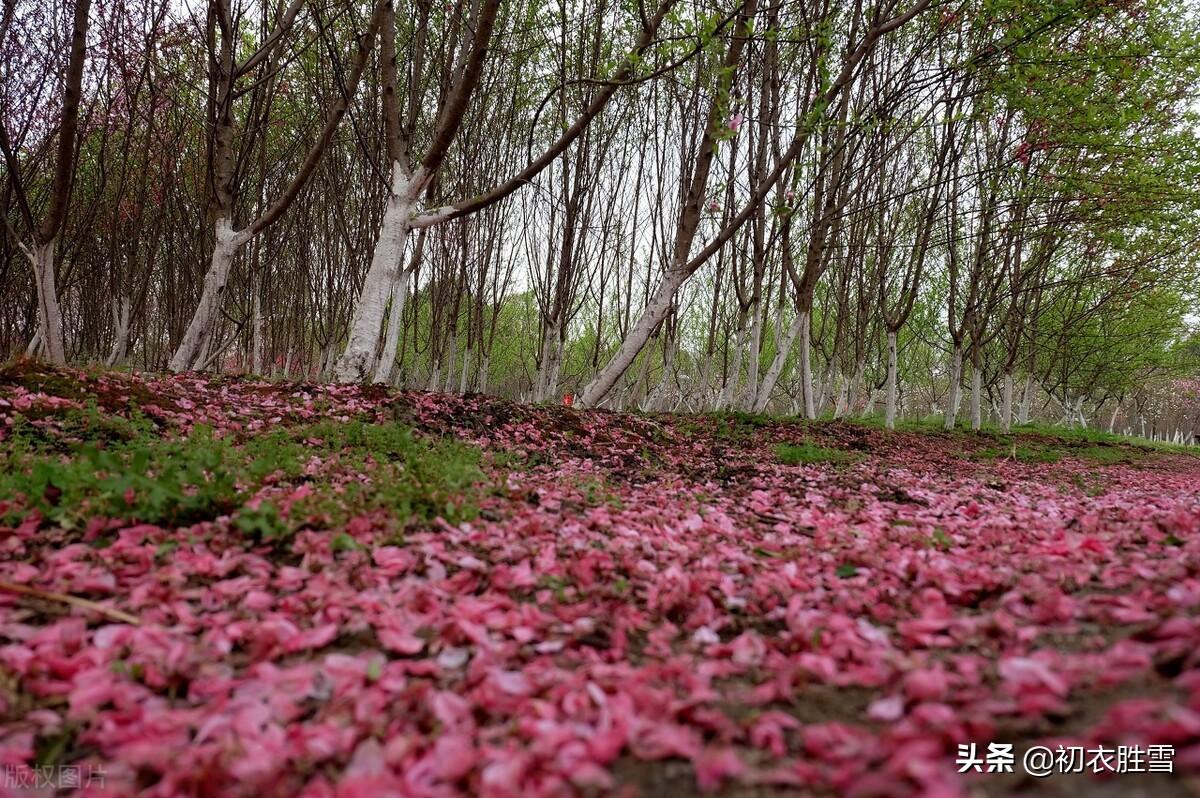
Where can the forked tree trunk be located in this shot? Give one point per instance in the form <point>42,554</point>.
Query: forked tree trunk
<point>952,395</point>
<point>777,363</point>
<point>1006,403</point>
<point>435,377</point>
<point>856,385</point>
<point>734,378</point>
<point>547,374</point>
<point>976,397</point>
<point>1026,400</point>
<point>50,324</point>
<point>755,357</point>
<point>656,400</point>
<point>465,372</point>
<point>824,383</point>
<point>391,340</point>
<point>121,314</point>
<point>889,418</point>
<point>484,369</point>
<point>843,396</point>
<point>367,324</point>
<point>451,363</point>
<point>193,348</point>
<point>806,377</point>
<point>256,335</point>
<point>656,310</point>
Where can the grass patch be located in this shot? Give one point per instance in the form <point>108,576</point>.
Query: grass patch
<point>808,453</point>
<point>1021,452</point>
<point>119,469</point>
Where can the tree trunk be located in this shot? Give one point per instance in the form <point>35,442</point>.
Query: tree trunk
<point>806,382</point>
<point>1006,403</point>
<point>465,373</point>
<point>843,396</point>
<point>777,363</point>
<point>656,310</point>
<point>657,399</point>
<point>122,310</point>
<point>1026,400</point>
<point>193,349</point>
<point>856,384</point>
<point>734,378</point>
<point>256,334</point>
<point>391,340</point>
<point>547,374</point>
<point>367,323</point>
<point>952,394</point>
<point>484,369</point>
<point>50,324</point>
<point>755,357</point>
<point>976,396</point>
<point>890,412</point>
<point>452,342</point>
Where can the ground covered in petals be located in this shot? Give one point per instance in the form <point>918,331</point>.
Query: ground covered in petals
<point>223,587</point>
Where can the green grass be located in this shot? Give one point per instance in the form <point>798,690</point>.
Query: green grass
<point>1025,453</point>
<point>1039,442</point>
<point>104,466</point>
<point>808,453</point>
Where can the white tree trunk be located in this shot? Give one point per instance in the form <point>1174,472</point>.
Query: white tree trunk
<point>635,341</point>
<point>856,385</point>
<point>777,363</point>
<point>751,394</point>
<point>806,381</point>
<point>366,326</point>
<point>465,372</point>
<point>391,340</point>
<point>734,379</point>
<point>659,399</point>
<point>35,343</point>
<point>952,395</point>
<point>1026,400</point>
<point>824,383</point>
<point>121,311</point>
<point>50,324</point>
<point>976,397</point>
<point>450,365</point>
<point>1112,420</point>
<point>484,369</point>
<point>548,369</point>
<point>890,412</point>
<point>843,395</point>
<point>256,335</point>
<point>193,350</point>
<point>1006,403</point>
